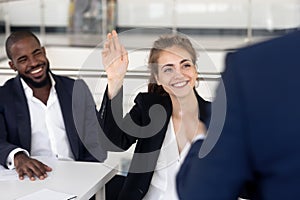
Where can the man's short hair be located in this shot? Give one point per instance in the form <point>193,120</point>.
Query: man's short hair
<point>15,37</point>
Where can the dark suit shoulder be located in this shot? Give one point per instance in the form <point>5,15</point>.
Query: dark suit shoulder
<point>201,100</point>
<point>63,83</point>
<point>8,87</point>
<point>63,79</point>
<point>151,96</point>
<point>9,83</point>
<point>149,99</point>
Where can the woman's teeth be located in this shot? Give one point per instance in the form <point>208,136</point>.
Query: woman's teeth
<point>180,84</point>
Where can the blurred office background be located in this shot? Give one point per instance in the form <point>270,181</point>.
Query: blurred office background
<point>73,32</point>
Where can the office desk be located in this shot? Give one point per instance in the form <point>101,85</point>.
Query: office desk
<point>83,179</point>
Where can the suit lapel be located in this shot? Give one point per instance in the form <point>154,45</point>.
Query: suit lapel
<point>152,147</point>
<point>155,142</point>
<point>167,104</point>
<point>64,95</point>
<point>22,114</point>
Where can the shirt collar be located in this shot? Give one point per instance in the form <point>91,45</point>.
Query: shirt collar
<point>28,91</point>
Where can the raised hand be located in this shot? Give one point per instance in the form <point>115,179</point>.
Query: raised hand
<point>30,167</point>
<point>115,61</point>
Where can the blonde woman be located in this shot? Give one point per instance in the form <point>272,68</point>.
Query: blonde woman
<point>162,137</point>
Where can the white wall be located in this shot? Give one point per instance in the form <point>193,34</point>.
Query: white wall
<point>29,12</point>
<point>231,14</point>
<point>268,14</point>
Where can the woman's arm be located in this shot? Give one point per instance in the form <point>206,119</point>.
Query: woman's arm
<point>115,61</point>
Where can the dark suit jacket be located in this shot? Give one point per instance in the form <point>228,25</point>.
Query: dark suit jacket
<point>15,130</point>
<point>149,134</point>
<point>260,139</point>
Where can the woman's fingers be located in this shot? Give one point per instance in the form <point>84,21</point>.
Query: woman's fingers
<point>112,41</point>
<point>114,55</point>
<point>115,40</point>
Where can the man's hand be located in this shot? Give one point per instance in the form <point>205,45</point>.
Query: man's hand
<point>30,167</point>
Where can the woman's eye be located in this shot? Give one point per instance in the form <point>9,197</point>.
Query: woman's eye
<point>187,65</point>
<point>168,70</point>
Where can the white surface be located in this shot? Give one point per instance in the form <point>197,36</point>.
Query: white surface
<point>83,179</point>
<point>47,194</point>
<point>7,174</point>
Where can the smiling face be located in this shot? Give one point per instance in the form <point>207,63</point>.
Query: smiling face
<point>29,59</point>
<point>177,73</point>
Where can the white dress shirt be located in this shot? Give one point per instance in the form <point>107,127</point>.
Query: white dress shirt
<point>48,133</point>
<point>163,183</point>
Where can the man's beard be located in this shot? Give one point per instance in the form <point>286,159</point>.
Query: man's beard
<point>34,84</point>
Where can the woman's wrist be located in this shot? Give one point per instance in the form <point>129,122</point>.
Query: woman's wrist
<point>114,87</point>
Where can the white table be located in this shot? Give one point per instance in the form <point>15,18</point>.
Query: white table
<point>83,179</point>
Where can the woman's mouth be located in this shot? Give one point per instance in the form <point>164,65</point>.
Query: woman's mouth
<point>180,84</point>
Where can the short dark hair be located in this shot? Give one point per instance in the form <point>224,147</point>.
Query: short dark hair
<point>16,36</point>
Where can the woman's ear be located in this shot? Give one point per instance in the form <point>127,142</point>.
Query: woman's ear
<point>12,66</point>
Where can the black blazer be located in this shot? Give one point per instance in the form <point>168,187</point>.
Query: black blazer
<point>259,142</point>
<point>15,129</point>
<point>136,126</point>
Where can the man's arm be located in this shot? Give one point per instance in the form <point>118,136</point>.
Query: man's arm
<point>20,160</point>
<point>86,123</point>
<point>222,173</point>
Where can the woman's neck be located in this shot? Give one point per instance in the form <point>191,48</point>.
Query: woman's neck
<point>184,106</point>
<point>185,118</point>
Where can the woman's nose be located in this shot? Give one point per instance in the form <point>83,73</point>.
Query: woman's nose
<point>179,72</point>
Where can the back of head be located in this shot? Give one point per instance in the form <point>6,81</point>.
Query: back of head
<point>15,37</point>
